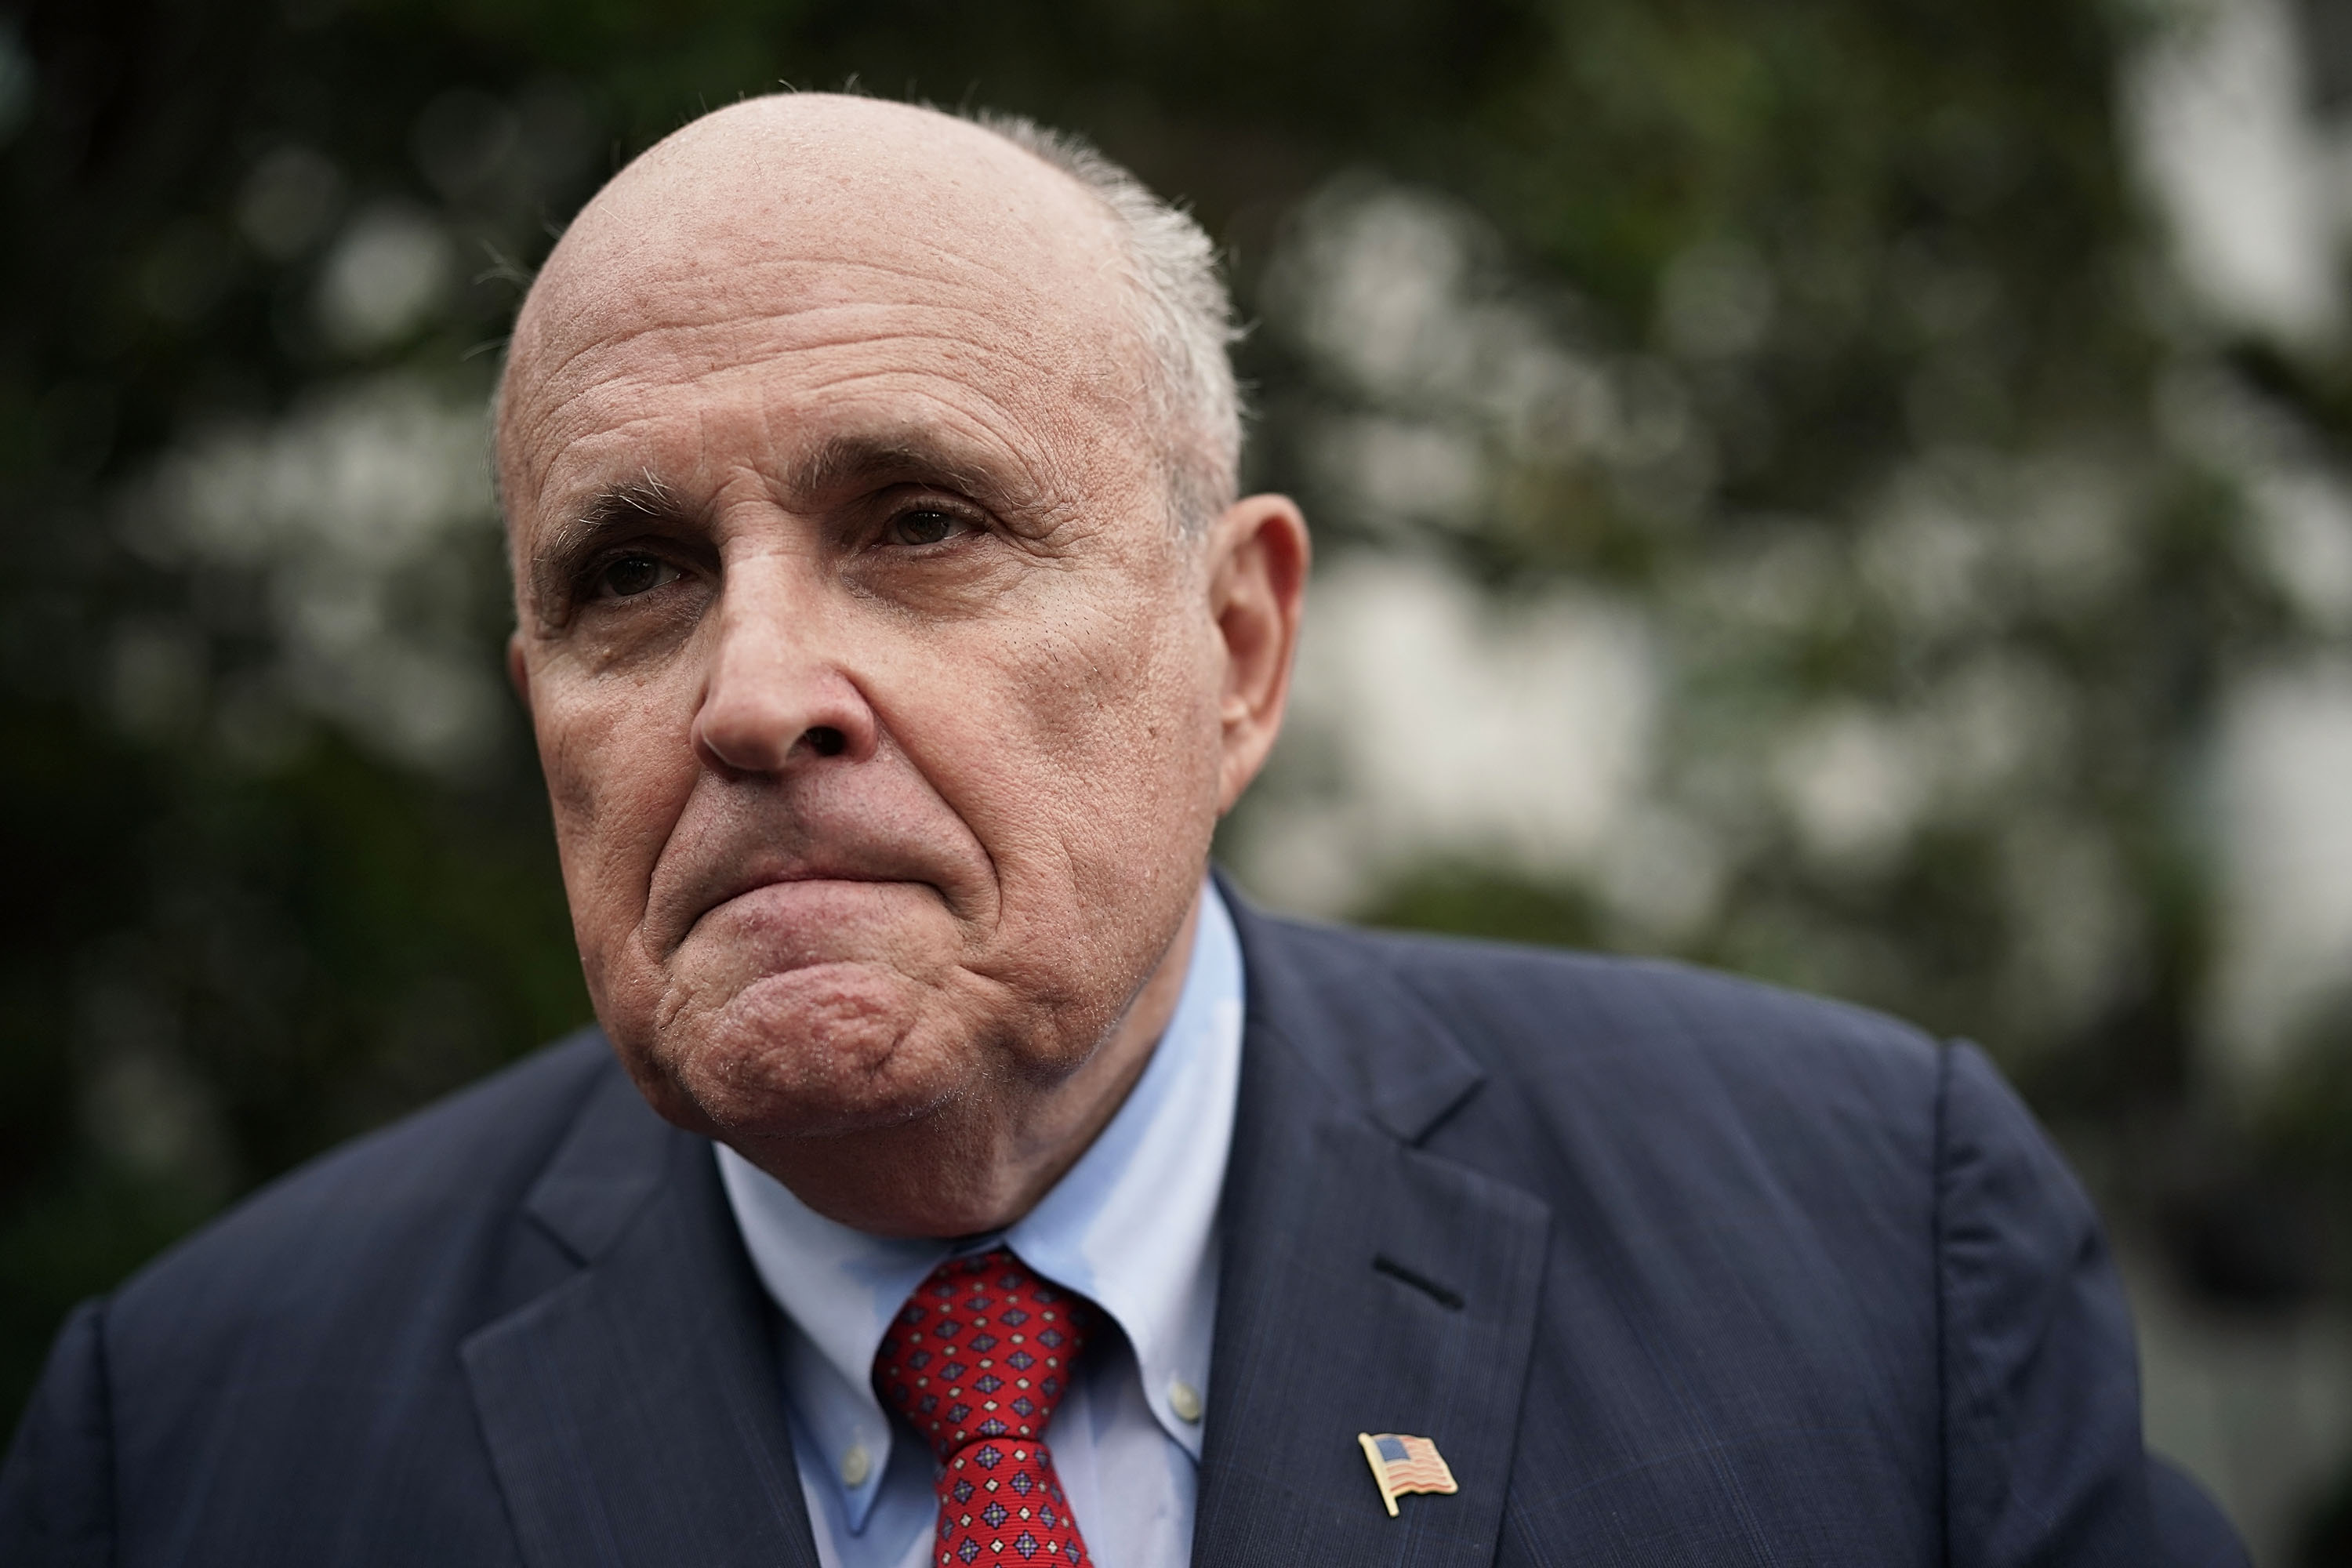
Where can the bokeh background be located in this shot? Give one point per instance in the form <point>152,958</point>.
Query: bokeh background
<point>1856,491</point>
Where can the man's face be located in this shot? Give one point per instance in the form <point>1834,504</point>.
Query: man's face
<point>877,699</point>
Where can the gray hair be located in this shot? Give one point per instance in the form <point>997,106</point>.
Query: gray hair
<point>1182,310</point>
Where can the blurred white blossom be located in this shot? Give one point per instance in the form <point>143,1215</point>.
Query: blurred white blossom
<point>2218,119</point>
<point>1856,782</point>
<point>1429,722</point>
<point>2286,814</point>
<point>362,520</point>
<point>2302,518</point>
<point>388,271</point>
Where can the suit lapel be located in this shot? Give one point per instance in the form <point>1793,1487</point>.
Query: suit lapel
<point>1366,1285</point>
<point>633,1412</point>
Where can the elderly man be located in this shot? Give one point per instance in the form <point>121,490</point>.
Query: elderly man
<point>959,1173</point>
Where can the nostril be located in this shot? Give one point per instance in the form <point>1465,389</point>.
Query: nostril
<point>825,741</point>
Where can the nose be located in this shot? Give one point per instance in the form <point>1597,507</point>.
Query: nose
<point>775,696</point>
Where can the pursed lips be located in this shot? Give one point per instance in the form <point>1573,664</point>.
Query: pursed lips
<point>753,878</point>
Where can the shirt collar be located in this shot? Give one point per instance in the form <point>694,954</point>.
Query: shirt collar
<point>1131,1226</point>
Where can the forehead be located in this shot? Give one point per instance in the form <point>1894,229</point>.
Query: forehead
<point>777,287</point>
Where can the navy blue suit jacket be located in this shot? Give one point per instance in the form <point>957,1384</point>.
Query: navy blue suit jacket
<point>1673,1269</point>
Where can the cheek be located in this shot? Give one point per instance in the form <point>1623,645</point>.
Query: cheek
<point>1139,696</point>
<point>619,766</point>
<point>1080,748</point>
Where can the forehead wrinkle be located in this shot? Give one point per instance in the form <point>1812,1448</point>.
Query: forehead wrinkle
<point>866,456</point>
<point>986,269</point>
<point>704,299</point>
<point>728,265</point>
<point>819,328</point>
<point>976,448</point>
<point>963,446</point>
<point>540,405</point>
<point>550,398</point>
<point>678,289</point>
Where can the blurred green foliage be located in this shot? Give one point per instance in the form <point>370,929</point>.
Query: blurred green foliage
<point>252,913</point>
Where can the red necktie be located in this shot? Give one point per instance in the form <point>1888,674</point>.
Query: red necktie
<point>979,1358</point>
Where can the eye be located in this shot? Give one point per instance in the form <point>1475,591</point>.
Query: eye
<point>924,525</point>
<point>626,576</point>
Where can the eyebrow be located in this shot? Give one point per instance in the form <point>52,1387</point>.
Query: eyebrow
<point>865,458</point>
<point>860,461</point>
<point>617,509</point>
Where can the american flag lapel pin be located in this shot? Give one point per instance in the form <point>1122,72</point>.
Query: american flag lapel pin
<point>1402,1463</point>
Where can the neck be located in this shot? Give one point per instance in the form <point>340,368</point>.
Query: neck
<point>982,1162</point>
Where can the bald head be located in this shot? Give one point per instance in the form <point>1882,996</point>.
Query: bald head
<point>783,206</point>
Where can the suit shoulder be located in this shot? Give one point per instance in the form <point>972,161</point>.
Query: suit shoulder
<point>453,1168</point>
<point>1676,1091</point>
<point>1683,1074</point>
<point>1514,1004</point>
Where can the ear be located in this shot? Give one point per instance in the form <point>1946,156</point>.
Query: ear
<point>1259,555</point>
<point>518,672</point>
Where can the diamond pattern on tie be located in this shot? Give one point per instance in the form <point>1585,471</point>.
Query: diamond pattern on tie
<point>976,1363</point>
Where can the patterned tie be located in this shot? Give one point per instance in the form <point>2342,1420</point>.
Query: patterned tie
<point>979,1358</point>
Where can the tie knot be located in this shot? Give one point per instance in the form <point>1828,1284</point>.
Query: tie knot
<point>982,1348</point>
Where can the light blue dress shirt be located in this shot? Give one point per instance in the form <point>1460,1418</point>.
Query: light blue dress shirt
<point>1132,1226</point>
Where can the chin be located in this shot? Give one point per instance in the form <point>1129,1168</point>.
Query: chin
<point>830,1049</point>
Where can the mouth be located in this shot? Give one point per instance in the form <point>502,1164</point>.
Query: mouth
<point>793,878</point>
<point>771,886</point>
